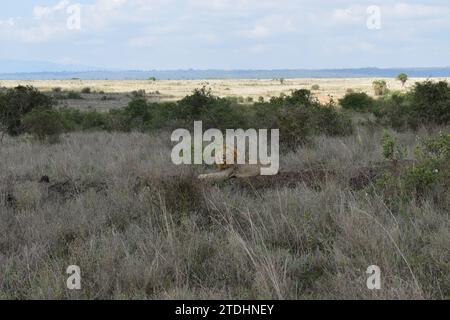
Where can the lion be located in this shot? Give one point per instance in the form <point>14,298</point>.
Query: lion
<point>230,170</point>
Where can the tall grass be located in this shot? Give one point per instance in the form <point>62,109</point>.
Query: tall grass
<point>140,227</point>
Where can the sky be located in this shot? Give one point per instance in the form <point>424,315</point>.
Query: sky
<point>227,34</point>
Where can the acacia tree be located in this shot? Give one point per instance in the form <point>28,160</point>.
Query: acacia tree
<point>402,77</point>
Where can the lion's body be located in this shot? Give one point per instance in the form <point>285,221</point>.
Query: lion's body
<point>231,170</point>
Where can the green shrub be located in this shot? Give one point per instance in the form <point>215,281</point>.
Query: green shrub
<point>138,94</point>
<point>94,120</point>
<point>294,125</point>
<point>428,103</point>
<point>391,151</point>
<point>86,90</point>
<point>73,95</point>
<point>402,77</point>
<point>44,124</point>
<point>360,102</point>
<point>191,107</point>
<point>380,87</point>
<point>137,114</point>
<point>315,87</point>
<point>328,121</point>
<point>430,173</point>
<point>300,115</point>
<point>16,103</point>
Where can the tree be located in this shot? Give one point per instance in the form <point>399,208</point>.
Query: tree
<point>44,124</point>
<point>380,87</point>
<point>403,77</point>
<point>16,103</point>
<point>357,102</point>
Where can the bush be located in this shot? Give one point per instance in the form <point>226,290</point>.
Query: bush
<point>44,124</point>
<point>328,121</point>
<point>431,102</point>
<point>360,102</point>
<point>73,95</point>
<point>380,87</point>
<point>192,106</point>
<point>428,103</point>
<point>94,120</point>
<point>16,103</point>
<point>293,123</point>
<point>430,173</point>
<point>138,94</point>
<point>299,116</point>
<point>315,87</point>
<point>86,90</point>
<point>137,114</point>
<point>402,77</point>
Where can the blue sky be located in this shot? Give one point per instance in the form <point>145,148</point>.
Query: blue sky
<point>227,34</point>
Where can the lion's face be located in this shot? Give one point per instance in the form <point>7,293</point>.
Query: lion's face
<point>221,157</point>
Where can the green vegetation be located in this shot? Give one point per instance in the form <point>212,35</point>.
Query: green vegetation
<point>360,102</point>
<point>44,124</point>
<point>86,90</point>
<point>380,87</point>
<point>429,175</point>
<point>402,77</point>
<point>142,228</point>
<point>299,116</point>
<point>16,103</point>
<point>426,104</point>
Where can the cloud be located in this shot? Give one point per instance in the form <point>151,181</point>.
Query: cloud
<point>258,31</point>
<point>208,30</point>
<point>43,12</point>
<point>7,23</point>
<point>416,11</point>
<point>142,42</point>
<point>270,25</point>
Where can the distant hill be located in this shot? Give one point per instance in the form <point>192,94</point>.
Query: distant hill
<point>77,73</point>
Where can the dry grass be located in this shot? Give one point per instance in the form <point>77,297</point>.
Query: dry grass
<point>140,227</point>
<point>170,90</point>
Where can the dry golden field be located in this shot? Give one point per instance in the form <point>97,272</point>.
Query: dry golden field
<point>170,90</point>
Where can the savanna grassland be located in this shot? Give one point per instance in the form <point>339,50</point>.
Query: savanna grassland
<point>172,90</point>
<point>363,181</point>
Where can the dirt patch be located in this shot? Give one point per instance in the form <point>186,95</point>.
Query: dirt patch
<point>70,189</point>
<point>311,178</point>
